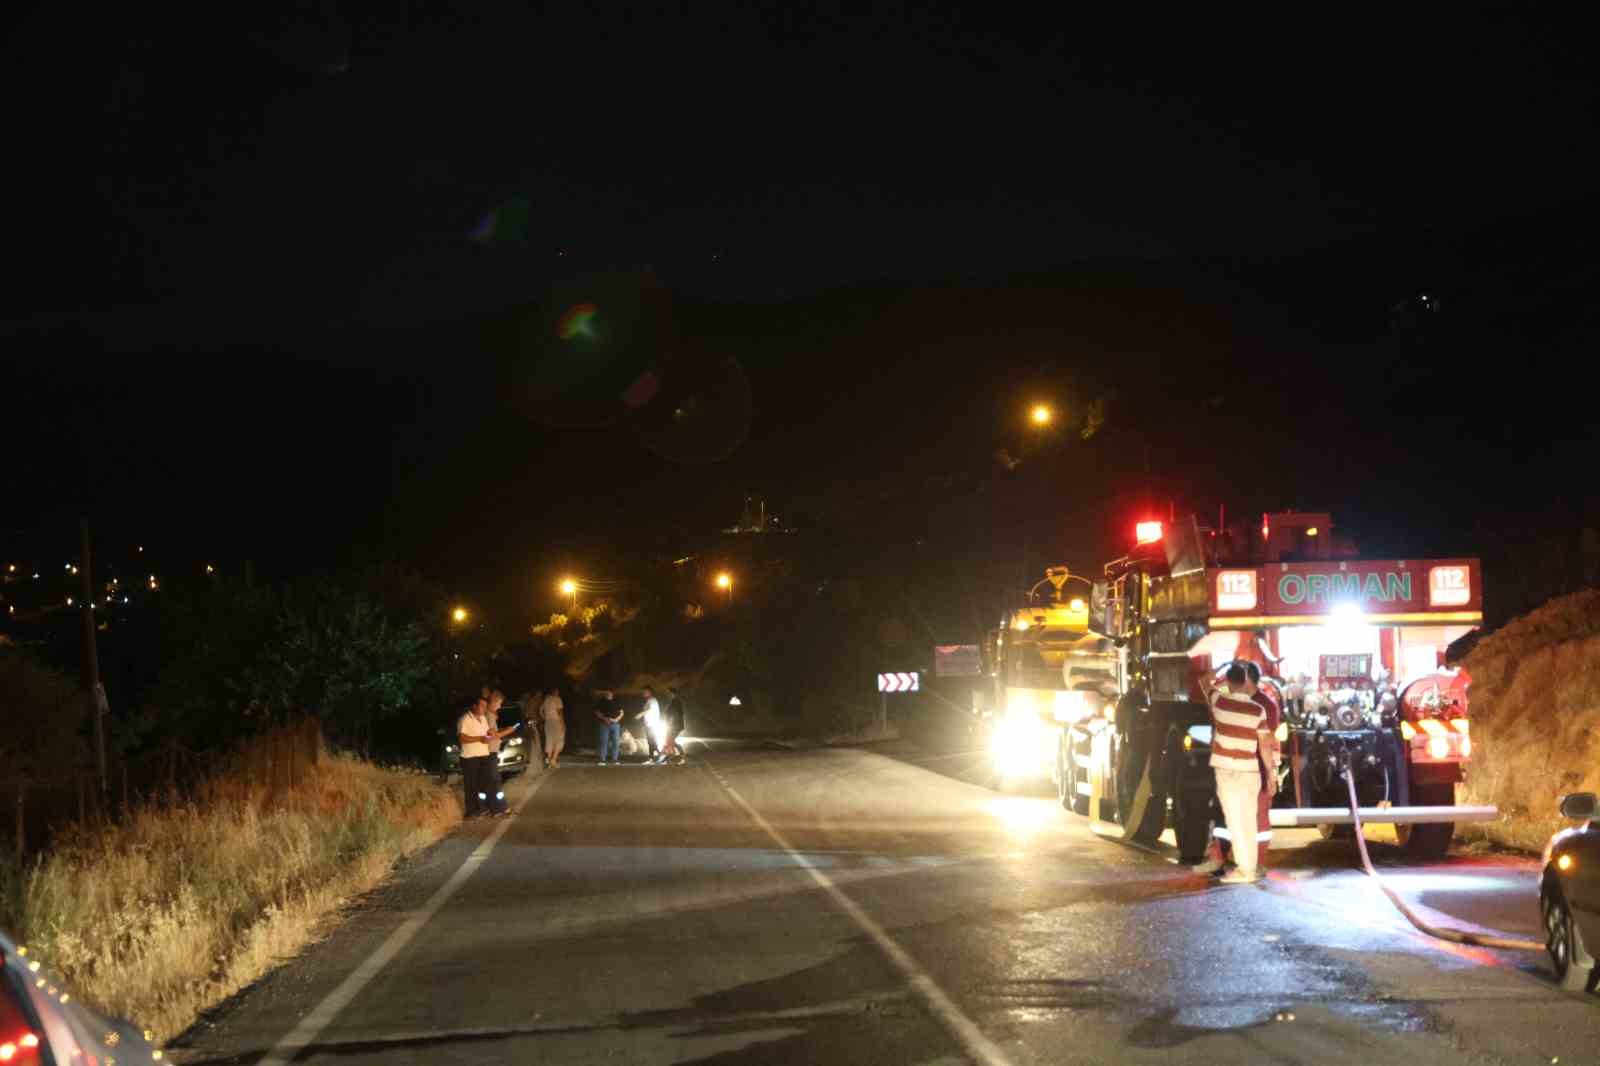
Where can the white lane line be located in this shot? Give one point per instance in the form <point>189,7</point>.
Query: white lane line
<point>323,1014</point>
<point>979,1048</point>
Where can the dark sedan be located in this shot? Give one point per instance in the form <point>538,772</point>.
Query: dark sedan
<point>1569,894</point>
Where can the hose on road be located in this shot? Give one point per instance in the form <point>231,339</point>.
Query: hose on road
<point>1454,936</point>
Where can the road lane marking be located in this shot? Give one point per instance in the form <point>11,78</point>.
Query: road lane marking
<point>323,1014</point>
<point>979,1048</point>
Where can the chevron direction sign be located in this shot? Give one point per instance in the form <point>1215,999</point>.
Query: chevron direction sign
<point>901,682</point>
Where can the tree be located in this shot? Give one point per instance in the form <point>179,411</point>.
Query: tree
<point>337,654</point>
<point>50,704</point>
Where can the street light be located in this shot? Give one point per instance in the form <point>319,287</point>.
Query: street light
<point>459,615</point>
<point>725,583</point>
<point>569,588</point>
<point>1041,414</point>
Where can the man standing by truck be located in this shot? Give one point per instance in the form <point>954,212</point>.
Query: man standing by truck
<point>1237,730</point>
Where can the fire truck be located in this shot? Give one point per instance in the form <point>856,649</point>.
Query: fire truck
<point>1353,650</point>
<point>1044,669</point>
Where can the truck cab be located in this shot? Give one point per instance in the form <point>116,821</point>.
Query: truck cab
<point>1045,668</point>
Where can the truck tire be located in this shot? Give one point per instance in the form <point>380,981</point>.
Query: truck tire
<point>1071,798</point>
<point>1432,840</point>
<point>1192,812</point>
<point>1141,824</point>
<point>1574,967</point>
<point>1064,785</point>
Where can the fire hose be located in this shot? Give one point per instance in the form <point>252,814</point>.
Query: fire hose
<point>1454,936</point>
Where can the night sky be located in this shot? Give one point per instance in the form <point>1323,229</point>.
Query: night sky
<point>291,288</point>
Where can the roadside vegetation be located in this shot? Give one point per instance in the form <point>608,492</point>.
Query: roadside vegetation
<point>1535,718</point>
<point>181,904</point>
<point>270,766</point>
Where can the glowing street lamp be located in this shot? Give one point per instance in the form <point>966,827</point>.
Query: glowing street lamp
<point>725,583</point>
<point>1041,415</point>
<point>569,588</point>
<point>459,615</point>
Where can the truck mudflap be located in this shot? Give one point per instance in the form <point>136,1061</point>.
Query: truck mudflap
<point>1296,817</point>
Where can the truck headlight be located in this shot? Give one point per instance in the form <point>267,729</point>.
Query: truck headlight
<point>1017,740</point>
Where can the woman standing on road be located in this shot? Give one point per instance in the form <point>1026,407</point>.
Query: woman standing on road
<point>555,728</point>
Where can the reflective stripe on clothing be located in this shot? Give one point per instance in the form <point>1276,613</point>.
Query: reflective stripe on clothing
<point>1263,836</point>
<point>1235,720</point>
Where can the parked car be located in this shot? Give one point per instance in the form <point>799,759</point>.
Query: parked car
<point>42,1023</point>
<point>1569,894</point>
<point>516,750</point>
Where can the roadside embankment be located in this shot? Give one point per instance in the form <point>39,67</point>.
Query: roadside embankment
<point>1535,718</point>
<point>182,903</point>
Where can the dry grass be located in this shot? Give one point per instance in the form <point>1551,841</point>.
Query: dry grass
<point>180,906</point>
<point>1535,718</point>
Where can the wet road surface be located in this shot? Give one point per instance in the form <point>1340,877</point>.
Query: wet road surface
<point>870,906</point>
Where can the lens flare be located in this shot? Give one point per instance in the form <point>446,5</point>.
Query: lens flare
<point>578,321</point>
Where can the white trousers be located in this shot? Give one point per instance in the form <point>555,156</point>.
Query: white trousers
<point>1236,795</point>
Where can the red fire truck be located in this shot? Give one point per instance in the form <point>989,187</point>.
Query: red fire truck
<point>1353,649</point>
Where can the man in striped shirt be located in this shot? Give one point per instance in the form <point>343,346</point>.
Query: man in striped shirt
<point>1238,733</point>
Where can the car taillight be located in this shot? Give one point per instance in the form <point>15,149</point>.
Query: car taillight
<point>1439,747</point>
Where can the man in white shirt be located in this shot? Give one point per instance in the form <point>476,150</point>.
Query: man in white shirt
<point>653,725</point>
<point>472,733</point>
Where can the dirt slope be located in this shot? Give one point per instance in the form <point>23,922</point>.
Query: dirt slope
<point>1535,708</point>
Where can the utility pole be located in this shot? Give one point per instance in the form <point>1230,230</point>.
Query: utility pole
<point>91,659</point>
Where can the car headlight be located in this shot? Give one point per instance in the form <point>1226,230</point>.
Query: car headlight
<point>449,749</point>
<point>514,742</point>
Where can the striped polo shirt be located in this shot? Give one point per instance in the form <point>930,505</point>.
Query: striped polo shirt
<point>1235,720</point>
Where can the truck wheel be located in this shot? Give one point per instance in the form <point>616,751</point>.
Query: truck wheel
<point>1071,798</point>
<point>1568,957</point>
<point>1151,819</point>
<point>1064,785</point>
<point>1193,815</point>
<point>1429,841</point>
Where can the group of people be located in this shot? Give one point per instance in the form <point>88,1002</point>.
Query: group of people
<point>480,735</point>
<point>1245,756</point>
<point>661,727</point>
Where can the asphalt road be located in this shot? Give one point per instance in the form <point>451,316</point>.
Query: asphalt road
<point>870,906</point>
